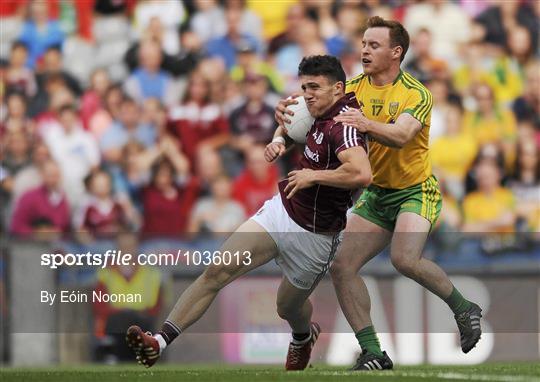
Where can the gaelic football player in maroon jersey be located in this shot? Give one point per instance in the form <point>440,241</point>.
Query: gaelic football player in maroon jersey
<point>299,227</point>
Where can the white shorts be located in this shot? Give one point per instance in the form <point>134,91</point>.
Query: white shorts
<point>304,257</point>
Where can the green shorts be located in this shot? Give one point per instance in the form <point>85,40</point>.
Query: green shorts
<point>382,206</point>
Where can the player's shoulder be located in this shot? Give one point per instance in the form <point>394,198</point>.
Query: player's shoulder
<point>356,80</point>
<point>407,81</point>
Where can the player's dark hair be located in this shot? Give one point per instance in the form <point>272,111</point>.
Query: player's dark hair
<point>398,34</point>
<point>327,66</point>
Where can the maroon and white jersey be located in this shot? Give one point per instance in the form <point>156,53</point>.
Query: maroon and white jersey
<point>322,209</point>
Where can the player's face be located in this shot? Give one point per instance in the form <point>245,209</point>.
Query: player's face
<point>319,93</point>
<point>377,55</point>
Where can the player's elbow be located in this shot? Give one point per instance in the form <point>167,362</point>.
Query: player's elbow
<point>362,179</point>
<point>365,180</point>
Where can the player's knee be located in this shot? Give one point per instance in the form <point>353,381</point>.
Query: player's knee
<point>405,266</point>
<point>340,271</point>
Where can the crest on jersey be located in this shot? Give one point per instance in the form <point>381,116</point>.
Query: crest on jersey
<point>393,108</point>
<point>318,137</point>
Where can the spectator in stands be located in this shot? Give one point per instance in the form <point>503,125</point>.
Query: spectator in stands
<point>349,17</point>
<point>111,318</point>
<point>51,96</point>
<point>295,18</point>
<point>197,122</point>
<point>149,80</point>
<point>248,61</point>
<point>208,167</point>
<point>527,106</point>
<point>450,164</point>
<point>168,14</point>
<point>472,68</point>
<point>226,45</point>
<point>179,64</point>
<point>108,112</point>
<point>520,46</point>
<point>43,211</point>
<point>492,208</point>
<point>53,65</point>
<point>168,200</point>
<point>253,122</point>
<point>19,77</point>
<point>154,113</point>
<point>75,150</point>
<point>129,126</point>
<point>487,152</point>
<point>443,99</point>
<point>307,42</point>
<point>502,17</point>
<point>490,123</point>
<point>15,157</point>
<point>130,177</point>
<point>324,13</point>
<point>526,185</point>
<point>208,22</point>
<point>102,215</point>
<point>30,176</point>
<point>16,151</point>
<point>423,65</point>
<point>250,22</point>
<point>16,118</point>
<point>93,98</point>
<point>449,26</point>
<point>219,213</point>
<point>40,33</point>
<point>257,183</point>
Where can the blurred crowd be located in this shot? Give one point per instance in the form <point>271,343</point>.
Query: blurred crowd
<point>152,116</point>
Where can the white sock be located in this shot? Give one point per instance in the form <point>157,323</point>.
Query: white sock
<point>161,341</point>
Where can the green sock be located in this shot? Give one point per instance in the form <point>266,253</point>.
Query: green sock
<point>367,338</point>
<point>457,302</point>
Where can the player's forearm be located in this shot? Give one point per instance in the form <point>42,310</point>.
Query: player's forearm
<point>345,176</point>
<point>388,134</point>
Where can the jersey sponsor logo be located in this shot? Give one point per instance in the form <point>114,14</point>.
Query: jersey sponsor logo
<point>314,156</point>
<point>393,108</point>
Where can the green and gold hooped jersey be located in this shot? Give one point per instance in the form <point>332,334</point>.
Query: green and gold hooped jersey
<point>392,167</point>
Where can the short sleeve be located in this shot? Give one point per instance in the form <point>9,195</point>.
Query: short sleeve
<point>419,104</point>
<point>344,137</point>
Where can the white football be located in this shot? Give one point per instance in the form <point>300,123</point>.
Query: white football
<point>301,121</point>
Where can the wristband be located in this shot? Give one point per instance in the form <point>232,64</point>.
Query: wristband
<point>278,140</point>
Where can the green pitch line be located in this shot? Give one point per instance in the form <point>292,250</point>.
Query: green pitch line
<point>496,372</point>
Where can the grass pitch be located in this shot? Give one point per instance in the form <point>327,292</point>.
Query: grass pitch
<point>496,372</point>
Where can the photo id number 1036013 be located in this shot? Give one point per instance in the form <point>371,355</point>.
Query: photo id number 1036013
<point>217,258</point>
